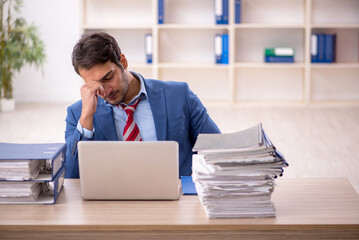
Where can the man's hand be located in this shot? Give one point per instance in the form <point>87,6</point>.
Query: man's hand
<point>89,92</point>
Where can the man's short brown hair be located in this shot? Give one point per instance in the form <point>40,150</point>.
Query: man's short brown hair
<point>95,48</point>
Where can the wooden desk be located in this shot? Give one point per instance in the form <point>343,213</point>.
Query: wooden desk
<point>306,209</point>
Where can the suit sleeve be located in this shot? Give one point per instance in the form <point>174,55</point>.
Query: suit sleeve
<point>72,137</point>
<point>200,121</point>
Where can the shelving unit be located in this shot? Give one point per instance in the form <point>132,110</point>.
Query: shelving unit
<point>183,47</point>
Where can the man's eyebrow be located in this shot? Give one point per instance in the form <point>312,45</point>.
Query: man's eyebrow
<point>104,77</point>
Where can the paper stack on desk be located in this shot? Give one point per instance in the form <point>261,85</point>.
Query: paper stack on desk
<point>234,173</point>
<point>31,173</point>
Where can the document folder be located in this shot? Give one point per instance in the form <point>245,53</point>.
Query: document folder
<point>31,161</point>
<point>38,192</point>
<point>188,187</point>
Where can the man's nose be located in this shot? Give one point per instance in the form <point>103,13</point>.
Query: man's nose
<point>108,89</point>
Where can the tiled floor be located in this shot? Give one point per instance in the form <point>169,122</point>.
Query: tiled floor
<point>316,141</point>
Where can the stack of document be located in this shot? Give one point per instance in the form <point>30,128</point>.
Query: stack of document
<point>20,169</point>
<point>20,191</point>
<point>234,173</point>
<point>31,173</point>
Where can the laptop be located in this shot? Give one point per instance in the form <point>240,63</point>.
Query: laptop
<point>117,170</point>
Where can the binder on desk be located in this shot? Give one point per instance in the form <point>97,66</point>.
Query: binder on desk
<point>32,191</point>
<point>31,161</point>
<point>188,187</point>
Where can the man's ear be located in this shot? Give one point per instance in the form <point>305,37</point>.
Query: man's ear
<point>123,61</point>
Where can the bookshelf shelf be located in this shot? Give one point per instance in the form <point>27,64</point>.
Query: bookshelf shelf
<point>193,65</point>
<point>268,26</point>
<point>334,65</point>
<point>183,47</point>
<point>268,65</point>
<point>192,26</point>
<point>335,25</point>
<point>115,26</point>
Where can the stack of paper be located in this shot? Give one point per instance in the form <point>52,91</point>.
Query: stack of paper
<point>20,191</point>
<point>20,169</point>
<point>234,173</point>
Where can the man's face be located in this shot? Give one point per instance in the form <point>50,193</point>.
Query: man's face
<point>111,77</point>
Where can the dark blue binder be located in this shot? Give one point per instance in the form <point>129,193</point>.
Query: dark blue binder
<point>160,11</point>
<point>279,59</point>
<point>225,49</point>
<point>188,186</point>
<point>237,11</point>
<point>54,152</point>
<point>225,16</point>
<point>321,48</point>
<point>330,48</point>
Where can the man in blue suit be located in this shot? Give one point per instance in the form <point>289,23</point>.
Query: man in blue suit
<point>165,110</point>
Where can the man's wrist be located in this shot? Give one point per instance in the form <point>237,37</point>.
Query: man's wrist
<point>84,131</point>
<point>86,121</point>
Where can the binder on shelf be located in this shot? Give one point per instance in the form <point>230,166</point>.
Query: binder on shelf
<point>279,55</point>
<point>148,47</point>
<point>279,51</point>
<point>32,191</point>
<point>39,162</point>
<point>188,187</point>
<point>225,16</point>
<point>323,48</point>
<point>237,11</point>
<point>160,11</point>
<point>221,11</point>
<point>330,40</point>
<point>314,48</point>
<point>225,49</point>
<point>279,59</point>
<point>218,48</point>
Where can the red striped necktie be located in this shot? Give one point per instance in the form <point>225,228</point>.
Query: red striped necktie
<point>131,131</point>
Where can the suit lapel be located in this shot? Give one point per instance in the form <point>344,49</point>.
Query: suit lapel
<point>103,120</point>
<point>156,98</point>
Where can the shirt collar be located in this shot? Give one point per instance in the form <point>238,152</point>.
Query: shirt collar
<point>143,91</point>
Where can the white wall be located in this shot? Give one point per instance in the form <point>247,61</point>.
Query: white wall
<point>58,22</point>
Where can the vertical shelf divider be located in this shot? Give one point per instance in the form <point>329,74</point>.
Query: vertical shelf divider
<point>307,52</point>
<point>232,45</point>
<point>155,37</point>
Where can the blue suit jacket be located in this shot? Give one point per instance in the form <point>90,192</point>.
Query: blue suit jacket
<point>177,112</point>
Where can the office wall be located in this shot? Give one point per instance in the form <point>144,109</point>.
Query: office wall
<point>58,22</point>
